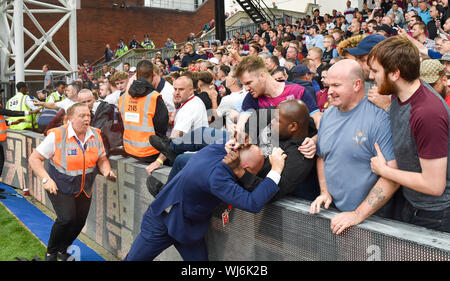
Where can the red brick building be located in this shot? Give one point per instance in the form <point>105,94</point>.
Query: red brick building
<point>100,23</point>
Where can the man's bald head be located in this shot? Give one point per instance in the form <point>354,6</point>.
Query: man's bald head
<point>350,68</point>
<point>252,158</point>
<point>346,84</point>
<point>291,120</point>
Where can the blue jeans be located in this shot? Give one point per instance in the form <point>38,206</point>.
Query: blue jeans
<point>199,138</point>
<point>154,238</point>
<point>179,163</point>
<point>436,220</point>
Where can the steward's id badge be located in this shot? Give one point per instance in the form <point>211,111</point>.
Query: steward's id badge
<point>225,216</point>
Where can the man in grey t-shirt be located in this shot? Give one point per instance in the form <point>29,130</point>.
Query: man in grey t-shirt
<point>351,132</point>
<point>48,79</point>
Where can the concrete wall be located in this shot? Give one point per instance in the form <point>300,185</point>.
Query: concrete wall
<point>283,230</point>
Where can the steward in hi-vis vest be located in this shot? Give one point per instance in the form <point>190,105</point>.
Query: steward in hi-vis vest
<point>143,114</point>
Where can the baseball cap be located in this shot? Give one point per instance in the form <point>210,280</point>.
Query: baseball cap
<point>431,70</point>
<point>365,46</point>
<point>301,70</point>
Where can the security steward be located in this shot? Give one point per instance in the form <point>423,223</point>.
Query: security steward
<point>74,151</point>
<point>22,102</point>
<point>143,113</point>
<point>3,127</point>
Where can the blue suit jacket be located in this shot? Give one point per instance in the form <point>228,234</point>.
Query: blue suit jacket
<point>194,193</point>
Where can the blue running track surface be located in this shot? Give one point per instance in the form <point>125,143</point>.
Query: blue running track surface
<point>40,224</point>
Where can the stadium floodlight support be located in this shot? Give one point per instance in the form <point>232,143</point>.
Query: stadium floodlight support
<point>12,37</point>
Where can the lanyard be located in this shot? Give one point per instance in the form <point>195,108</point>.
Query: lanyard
<point>193,96</point>
<point>82,147</point>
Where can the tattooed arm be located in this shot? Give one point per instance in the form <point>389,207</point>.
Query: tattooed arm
<point>379,195</point>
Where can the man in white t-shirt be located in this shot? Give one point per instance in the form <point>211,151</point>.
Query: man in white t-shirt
<point>71,93</point>
<point>228,103</point>
<point>164,88</point>
<point>120,80</point>
<point>190,114</point>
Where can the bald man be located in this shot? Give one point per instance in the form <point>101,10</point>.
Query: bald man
<point>181,213</point>
<point>346,141</point>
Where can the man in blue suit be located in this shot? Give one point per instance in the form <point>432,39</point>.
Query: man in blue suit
<point>181,212</point>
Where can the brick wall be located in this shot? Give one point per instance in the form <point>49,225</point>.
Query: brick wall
<point>99,23</point>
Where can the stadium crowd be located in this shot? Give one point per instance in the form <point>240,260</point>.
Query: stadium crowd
<point>347,110</point>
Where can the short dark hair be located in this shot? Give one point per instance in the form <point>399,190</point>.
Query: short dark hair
<point>144,69</point>
<point>20,85</point>
<point>59,83</point>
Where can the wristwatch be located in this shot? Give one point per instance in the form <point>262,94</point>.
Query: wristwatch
<point>44,180</point>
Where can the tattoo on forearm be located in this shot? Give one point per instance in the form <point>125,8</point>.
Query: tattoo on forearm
<point>375,197</point>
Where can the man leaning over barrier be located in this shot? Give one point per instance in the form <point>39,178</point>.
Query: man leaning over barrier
<point>347,134</point>
<point>181,213</point>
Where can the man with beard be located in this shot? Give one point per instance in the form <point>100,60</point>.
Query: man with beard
<point>361,52</point>
<point>347,134</point>
<point>420,134</point>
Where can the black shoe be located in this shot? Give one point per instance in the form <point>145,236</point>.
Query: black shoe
<point>2,190</point>
<point>65,257</point>
<point>51,257</point>
<point>154,186</point>
<point>163,146</point>
<point>2,197</point>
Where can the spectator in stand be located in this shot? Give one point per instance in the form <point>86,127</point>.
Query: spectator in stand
<point>280,74</point>
<point>48,76</point>
<point>384,30</point>
<point>109,55</point>
<point>330,49</point>
<point>169,43</point>
<point>104,90</point>
<point>317,18</point>
<point>190,55</point>
<point>292,53</point>
<point>431,25</point>
<point>414,6</point>
<point>420,133</point>
<point>165,89</point>
<point>351,114</point>
<point>278,52</point>
<point>445,60</point>
<point>424,12</point>
<point>419,32</point>
<point>316,38</point>
<point>399,18</point>
<point>433,72</point>
<point>322,95</point>
<point>120,80</point>
<point>303,76</point>
<point>349,12</point>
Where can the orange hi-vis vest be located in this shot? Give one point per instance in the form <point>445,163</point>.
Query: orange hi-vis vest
<point>3,128</point>
<point>73,165</point>
<point>137,116</point>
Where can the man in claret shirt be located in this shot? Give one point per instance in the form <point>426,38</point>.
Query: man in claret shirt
<point>420,133</point>
<point>266,92</point>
